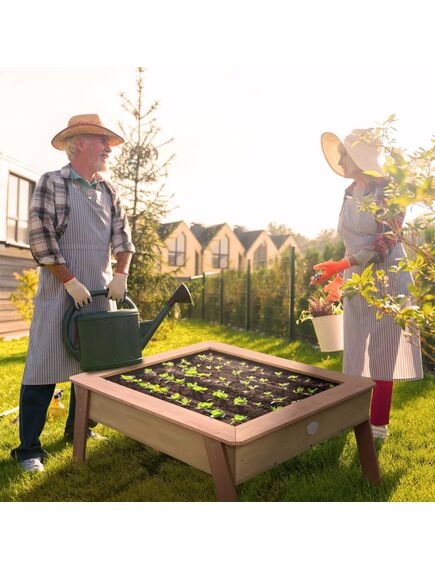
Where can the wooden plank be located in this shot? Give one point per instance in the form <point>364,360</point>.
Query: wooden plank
<point>299,410</point>
<point>83,397</point>
<point>367,452</point>
<point>162,435</point>
<point>170,411</point>
<point>13,327</point>
<point>278,446</point>
<point>221,471</point>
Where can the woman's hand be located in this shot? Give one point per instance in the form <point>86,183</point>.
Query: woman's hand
<point>329,269</point>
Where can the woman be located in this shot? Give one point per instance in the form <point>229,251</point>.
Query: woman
<point>376,349</point>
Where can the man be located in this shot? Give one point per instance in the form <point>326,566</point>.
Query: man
<point>75,219</point>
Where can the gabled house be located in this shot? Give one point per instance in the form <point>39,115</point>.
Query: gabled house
<point>221,248</point>
<point>260,249</point>
<point>284,242</point>
<point>181,249</point>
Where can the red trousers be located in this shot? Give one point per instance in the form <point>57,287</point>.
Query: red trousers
<point>381,403</point>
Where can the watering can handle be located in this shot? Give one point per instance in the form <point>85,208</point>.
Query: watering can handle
<point>70,312</point>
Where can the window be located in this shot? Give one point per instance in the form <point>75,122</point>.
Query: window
<point>220,253</point>
<point>260,256</point>
<point>17,220</point>
<point>177,251</point>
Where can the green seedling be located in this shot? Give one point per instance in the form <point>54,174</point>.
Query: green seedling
<point>250,377</point>
<point>278,373</point>
<point>298,390</point>
<point>268,394</point>
<point>238,418</point>
<point>275,408</point>
<point>180,381</point>
<point>263,380</point>
<point>293,377</point>
<point>184,363</point>
<point>218,368</point>
<point>167,376</point>
<point>257,404</point>
<point>240,401</point>
<point>312,390</point>
<point>220,394</point>
<point>184,401</point>
<point>243,382</point>
<point>283,384</point>
<point>217,413</point>
<point>169,364</point>
<point>196,387</point>
<point>236,372</point>
<point>176,396</point>
<point>278,400</point>
<point>148,370</point>
<point>129,378</point>
<point>204,405</point>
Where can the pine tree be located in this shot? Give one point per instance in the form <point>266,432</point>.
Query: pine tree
<point>140,171</point>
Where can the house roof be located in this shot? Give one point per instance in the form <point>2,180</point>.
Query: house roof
<point>205,234</point>
<point>165,229</point>
<point>278,239</point>
<point>247,238</point>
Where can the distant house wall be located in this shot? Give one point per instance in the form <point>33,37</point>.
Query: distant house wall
<point>216,249</point>
<point>181,250</point>
<point>255,252</point>
<point>17,182</point>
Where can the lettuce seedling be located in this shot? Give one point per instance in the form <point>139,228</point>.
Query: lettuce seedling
<point>204,405</point>
<point>240,401</point>
<point>217,413</point>
<point>196,387</point>
<point>238,418</point>
<point>220,394</point>
<point>298,390</point>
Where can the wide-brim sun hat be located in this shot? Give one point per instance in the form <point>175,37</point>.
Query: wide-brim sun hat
<point>85,124</point>
<point>365,155</point>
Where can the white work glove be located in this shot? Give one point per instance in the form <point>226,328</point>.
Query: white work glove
<point>78,291</point>
<point>118,287</point>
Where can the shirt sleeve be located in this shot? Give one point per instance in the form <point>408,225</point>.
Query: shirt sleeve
<point>383,243</point>
<point>42,220</point>
<point>121,234</point>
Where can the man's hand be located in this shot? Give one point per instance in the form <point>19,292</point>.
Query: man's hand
<point>78,291</point>
<point>118,287</point>
<point>329,269</point>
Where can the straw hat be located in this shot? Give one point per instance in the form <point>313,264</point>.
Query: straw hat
<point>85,124</point>
<point>364,155</point>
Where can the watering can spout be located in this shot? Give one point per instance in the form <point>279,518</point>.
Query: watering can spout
<point>149,327</point>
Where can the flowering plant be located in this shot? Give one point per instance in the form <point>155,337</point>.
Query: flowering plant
<point>320,304</point>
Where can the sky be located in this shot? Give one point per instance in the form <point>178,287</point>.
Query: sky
<point>245,88</point>
<point>245,99</point>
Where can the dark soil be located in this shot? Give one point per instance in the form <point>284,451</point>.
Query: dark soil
<point>264,388</point>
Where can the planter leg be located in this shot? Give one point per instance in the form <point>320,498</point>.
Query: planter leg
<point>81,423</point>
<point>367,452</point>
<point>221,471</point>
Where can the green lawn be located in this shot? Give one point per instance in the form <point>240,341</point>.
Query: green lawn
<point>120,469</point>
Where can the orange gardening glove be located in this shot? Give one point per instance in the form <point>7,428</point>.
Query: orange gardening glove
<point>333,288</point>
<point>329,268</point>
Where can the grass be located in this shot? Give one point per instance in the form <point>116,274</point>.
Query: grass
<point>120,469</point>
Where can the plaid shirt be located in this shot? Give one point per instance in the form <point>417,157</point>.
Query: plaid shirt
<point>386,237</point>
<point>49,216</point>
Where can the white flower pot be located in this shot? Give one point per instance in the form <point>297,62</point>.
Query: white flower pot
<point>329,331</point>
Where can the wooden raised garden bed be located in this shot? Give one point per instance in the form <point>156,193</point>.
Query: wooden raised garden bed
<point>228,411</point>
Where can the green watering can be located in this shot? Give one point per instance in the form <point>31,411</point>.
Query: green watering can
<point>114,339</point>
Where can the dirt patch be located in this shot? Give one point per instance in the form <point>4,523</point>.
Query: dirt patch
<point>223,387</point>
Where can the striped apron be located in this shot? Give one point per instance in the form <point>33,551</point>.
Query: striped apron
<point>86,246</point>
<point>377,349</point>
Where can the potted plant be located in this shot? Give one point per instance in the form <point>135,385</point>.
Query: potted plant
<point>326,312</point>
